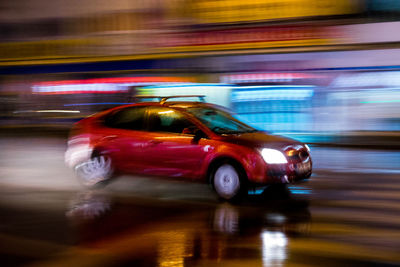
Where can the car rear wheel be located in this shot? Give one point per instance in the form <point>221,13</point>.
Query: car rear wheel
<point>95,170</point>
<point>227,181</point>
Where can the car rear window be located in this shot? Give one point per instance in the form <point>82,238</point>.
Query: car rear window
<point>167,120</point>
<point>131,118</point>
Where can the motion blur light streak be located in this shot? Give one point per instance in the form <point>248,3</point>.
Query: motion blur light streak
<point>171,249</point>
<point>368,79</point>
<point>307,147</point>
<point>266,77</point>
<point>94,104</point>
<point>380,101</point>
<point>323,72</point>
<point>299,189</point>
<point>58,111</point>
<point>271,93</point>
<point>103,85</point>
<point>255,192</point>
<point>79,89</point>
<point>274,248</point>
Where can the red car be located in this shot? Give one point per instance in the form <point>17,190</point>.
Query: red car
<point>194,140</point>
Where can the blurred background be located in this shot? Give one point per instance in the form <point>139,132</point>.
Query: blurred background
<point>326,72</point>
<point>320,71</point>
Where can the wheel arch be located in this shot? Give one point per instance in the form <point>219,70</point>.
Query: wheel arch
<point>218,161</point>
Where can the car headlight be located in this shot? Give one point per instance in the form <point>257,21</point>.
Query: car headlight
<point>273,156</point>
<point>307,147</point>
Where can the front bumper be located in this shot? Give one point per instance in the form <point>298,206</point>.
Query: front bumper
<point>289,172</point>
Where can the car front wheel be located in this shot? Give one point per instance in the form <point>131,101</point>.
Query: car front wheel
<point>227,182</point>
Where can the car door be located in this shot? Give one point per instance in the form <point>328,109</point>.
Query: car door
<point>172,150</point>
<point>124,134</point>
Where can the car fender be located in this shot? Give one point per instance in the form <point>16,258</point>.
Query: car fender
<point>246,157</point>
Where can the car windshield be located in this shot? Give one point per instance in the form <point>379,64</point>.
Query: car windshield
<point>220,122</point>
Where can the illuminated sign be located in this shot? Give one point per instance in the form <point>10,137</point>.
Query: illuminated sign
<point>100,86</point>
<point>248,38</point>
<point>169,43</point>
<point>246,35</point>
<point>266,77</point>
<point>368,79</point>
<point>262,93</point>
<point>228,11</point>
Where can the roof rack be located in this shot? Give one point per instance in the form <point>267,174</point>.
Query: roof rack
<point>147,96</point>
<point>163,99</point>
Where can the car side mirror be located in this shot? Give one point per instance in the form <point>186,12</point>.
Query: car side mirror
<point>198,134</point>
<point>189,130</point>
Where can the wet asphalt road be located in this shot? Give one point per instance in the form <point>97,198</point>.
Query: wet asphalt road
<point>346,215</point>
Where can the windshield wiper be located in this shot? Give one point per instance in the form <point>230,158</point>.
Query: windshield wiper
<point>252,131</point>
<point>236,132</point>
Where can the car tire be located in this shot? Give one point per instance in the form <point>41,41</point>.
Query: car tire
<point>95,171</point>
<point>228,181</point>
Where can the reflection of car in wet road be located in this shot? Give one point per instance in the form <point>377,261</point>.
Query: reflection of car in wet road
<point>194,140</point>
<point>147,231</point>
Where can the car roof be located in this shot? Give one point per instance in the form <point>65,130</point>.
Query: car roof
<point>181,105</point>
<point>172,104</point>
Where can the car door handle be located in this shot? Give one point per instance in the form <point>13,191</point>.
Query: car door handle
<point>109,137</point>
<point>155,142</point>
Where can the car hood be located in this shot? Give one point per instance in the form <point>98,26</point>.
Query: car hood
<point>260,140</point>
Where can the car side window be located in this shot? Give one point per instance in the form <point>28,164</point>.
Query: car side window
<point>168,120</point>
<point>131,118</point>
